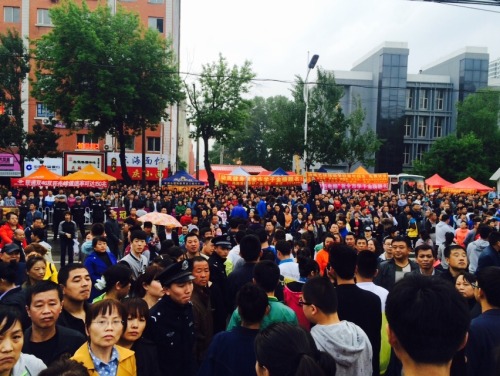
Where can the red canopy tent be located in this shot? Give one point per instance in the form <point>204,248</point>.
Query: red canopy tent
<point>436,182</point>
<point>468,185</point>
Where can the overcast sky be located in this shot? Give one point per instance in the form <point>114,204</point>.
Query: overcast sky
<point>276,35</point>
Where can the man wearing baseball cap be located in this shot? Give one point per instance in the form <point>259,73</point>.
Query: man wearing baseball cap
<point>171,325</point>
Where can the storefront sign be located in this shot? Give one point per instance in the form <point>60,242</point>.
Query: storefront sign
<point>134,166</point>
<point>74,162</point>
<point>9,165</point>
<point>53,164</point>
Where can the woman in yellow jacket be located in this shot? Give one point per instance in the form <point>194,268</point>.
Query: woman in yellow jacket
<point>105,323</point>
<point>35,249</point>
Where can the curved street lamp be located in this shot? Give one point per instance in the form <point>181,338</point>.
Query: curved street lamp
<point>311,66</point>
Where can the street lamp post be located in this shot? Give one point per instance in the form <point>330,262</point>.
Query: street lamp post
<point>311,66</point>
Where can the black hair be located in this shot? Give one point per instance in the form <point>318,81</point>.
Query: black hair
<point>445,217</point>
<point>342,258</point>
<point>448,238</point>
<point>448,249</point>
<point>42,286</point>
<point>165,245</point>
<point>469,277</point>
<point>425,247</point>
<point>367,263</point>
<point>147,224</point>
<point>488,280</point>
<point>63,275</point>
<point>8,271</point>
<point>403,239</point>
<point>279,235</point>
<point>65,367</point>
<point>32,261</point>
<point>129,221</point>
<point>105,307</point>
<point>416,308</point>
<point>138,234</point>
<point>494,238</point>
<point>38,232</point>
<point>97,229</point>
<point>261,234</point>
<point>240,235</point>
<point>288,350</point>
<point>321,292</point>
<point>190,235</point>
<point>146,278</point>
<point>252,303</point>
<point>266,274</point>
<point>484,231</point>
<point>98,239</point>
<point>136,308</point>
<point>306,264</point>
<point>10,214</point>
<point>8,317</point>
<point>116,274</point>
<point>250,248</point>
<point>284,247</point>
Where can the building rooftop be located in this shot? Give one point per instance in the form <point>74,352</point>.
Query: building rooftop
<point>468,49</point>
<point>386,44</point>
<point>428,78</point>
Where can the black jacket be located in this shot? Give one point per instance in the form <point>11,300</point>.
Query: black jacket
<point>67,342</point>
<point>171,328</point>
<point>145,358</point>
<point>386,276</point>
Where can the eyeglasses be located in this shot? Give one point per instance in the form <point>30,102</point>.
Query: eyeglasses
<point>104,323</point>
<point>302,303</point>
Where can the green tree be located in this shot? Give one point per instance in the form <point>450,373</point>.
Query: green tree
<point>358,145</point>
<point>455,159</point>
<point>106,69</point>
<point>478,114</point>
<point>42,142</point>
<point>217,107</point>
<point>14,67</point>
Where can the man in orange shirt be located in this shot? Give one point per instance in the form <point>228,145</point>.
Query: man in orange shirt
<point>322,255</point>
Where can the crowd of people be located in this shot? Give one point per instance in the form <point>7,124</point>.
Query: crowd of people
<point>277,282</point>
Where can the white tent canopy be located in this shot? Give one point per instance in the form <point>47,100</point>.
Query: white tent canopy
<point>239,172</point>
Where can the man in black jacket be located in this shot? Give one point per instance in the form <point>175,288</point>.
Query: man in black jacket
<point>171,325</point>
<point>393,270</point>
<point>78,213</point>
<point>113,233</point>
<point>356,305</point>
<point>44,339</point>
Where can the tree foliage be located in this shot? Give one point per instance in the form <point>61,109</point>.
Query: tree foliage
<point>454,159</point>
<point>473,150</point>
<point>14,66</point>
<point>217,109</point>
<point>106,69</point>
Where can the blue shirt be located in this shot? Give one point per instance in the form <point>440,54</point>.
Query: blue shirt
<point>105,369</point>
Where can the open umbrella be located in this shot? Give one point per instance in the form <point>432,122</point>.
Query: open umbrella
<point>160,219</point>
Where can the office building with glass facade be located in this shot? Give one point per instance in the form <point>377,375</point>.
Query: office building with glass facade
<point>410,111</point>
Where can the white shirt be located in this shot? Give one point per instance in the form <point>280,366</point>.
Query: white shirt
<point>377,290</point>
<point>289,269</point>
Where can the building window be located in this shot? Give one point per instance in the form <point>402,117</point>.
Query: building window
<point>421,149</point>
<point>407,126</point>
<point>87,142</point>
<point>11,14</point>
<point>424,99</point>
<point>409,99</point>
<point>154,144</point>
<point>438,128</point>
<point>43,17</point>
<point>155,1</point>
<point>130,143</point>
<point>422,127</point>
<point>439,99</point>
<point>156,23</point>
<point>43,112</point>
<point>406,154</point>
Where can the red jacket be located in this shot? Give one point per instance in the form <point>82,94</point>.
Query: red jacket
<point>7,235</point>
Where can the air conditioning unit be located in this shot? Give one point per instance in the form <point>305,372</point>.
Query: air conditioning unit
<point>46,121</point>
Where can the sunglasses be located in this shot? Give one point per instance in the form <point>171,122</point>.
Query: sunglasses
<point>302,303</point>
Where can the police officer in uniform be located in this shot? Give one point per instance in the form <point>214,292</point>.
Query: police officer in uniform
<point>98,208</point>
<point>60,207</point>
<point>171,325</point>
<point>78,213</point>
<point>216,261</point>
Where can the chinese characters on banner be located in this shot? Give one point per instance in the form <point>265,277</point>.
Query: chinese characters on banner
<point>134,166</point>
<point>376,182</point>
<point>290,180</point>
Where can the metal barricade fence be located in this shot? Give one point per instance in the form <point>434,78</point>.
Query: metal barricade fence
<point>48,216</point>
